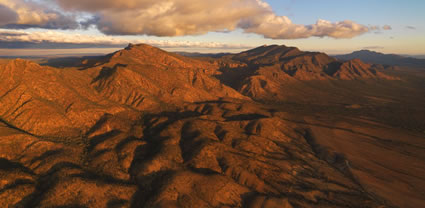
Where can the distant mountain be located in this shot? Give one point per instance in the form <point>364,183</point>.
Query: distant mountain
<point>380,58</point>
<point>268,69</point>
<point>196,54</point>
<point>309,65</point>
<point>415,56</point>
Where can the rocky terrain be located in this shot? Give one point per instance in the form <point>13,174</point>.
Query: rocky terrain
<point>380,58</point>
<point>269,127</point>
<point>265,72</point>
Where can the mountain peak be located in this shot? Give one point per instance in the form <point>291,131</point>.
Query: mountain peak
<point>20,62</point>
<point>150,55</point>
<point>267,54</point>
<point>20,65</point>
<point>140,46</point>
<point>367,52</point>
<point>266,48</point>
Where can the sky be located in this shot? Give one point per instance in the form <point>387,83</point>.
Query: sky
<point>29,27</point>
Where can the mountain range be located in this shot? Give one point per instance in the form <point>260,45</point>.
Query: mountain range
<point>269,127</point>
<point>380,58</point>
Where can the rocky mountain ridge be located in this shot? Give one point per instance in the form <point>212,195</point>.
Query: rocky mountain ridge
<point>146,128</point>
<point>381,58</point>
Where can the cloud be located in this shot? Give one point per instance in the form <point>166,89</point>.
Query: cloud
<point>378,29</point>
<point>374,27</point>
<point>22,14</point>
<point>166,18</point>
<point>54,39</point>
<point>411,27</point>
<point>50,36</point>
<point>387,27</point>
<point>7,16</point>
<point>194,17</point>
<point>277,27</point>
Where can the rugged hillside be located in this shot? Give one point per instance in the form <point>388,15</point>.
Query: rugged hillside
<point>49,101</point>
<point>380,58</point>
<point>308,65</point>
<point>145,128</point>
<point>142,76</point>
<point>215,154</point>
<point>269,69</point>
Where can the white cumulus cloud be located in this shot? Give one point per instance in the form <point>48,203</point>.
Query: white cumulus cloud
<point>193,17</point>
<point>169,18</point>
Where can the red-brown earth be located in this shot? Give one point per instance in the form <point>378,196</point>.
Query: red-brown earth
<point>269,127</point>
